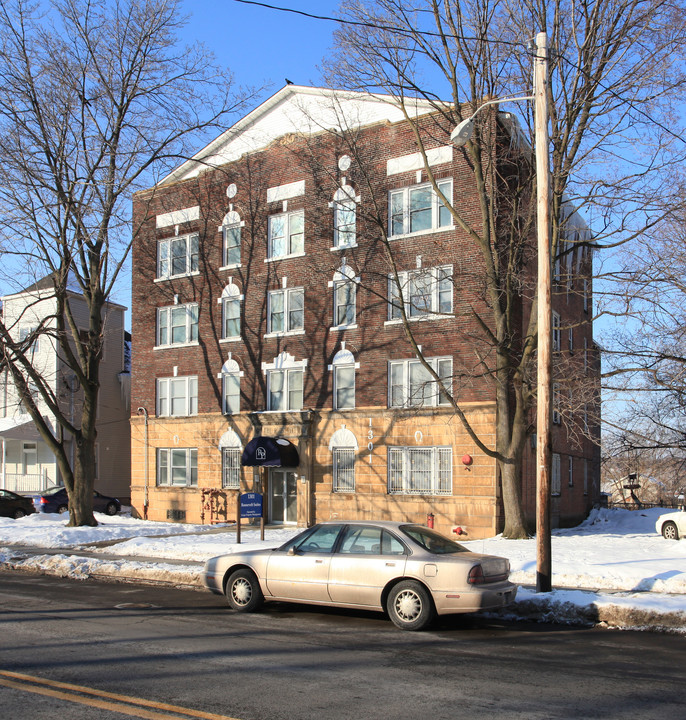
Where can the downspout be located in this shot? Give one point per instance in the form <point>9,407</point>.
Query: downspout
<point>145,463</point>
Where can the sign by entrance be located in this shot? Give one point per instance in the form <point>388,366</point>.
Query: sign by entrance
<point>251,505</point>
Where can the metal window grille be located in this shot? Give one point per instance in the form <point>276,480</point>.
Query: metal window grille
<point>231,468</point>
<point>344,470</point>
<point>420,471</point>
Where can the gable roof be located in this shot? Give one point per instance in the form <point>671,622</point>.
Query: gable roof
<point>295,109</point>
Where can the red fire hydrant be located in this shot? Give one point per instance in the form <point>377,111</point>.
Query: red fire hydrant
<point>430,520</point>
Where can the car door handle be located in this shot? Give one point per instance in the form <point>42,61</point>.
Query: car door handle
<point>318,562</point>
<point>390,564</point>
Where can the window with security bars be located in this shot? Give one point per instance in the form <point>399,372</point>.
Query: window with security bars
<point>420,471</point>
<point>343,470</point>
<point>231,468</point>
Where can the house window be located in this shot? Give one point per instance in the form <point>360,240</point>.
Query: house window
<point>286,234</point>
<point>570,471</point>
<point>343,367</point>
<point>231,312</point>
<point>232,245</point>
<point>343,459</point>
<point>230,376</point>
<point>231,468</point>
<point>25,333</point>
<point>424,292</point>
<point>557,417</point>
<point>177,324</point>
<point>29,458</point>
<point>178,256</point>
<point>411,385</point>
<point>557,340</point>
<point>344,217</point>
<point>177,396</point>
<point>285,389</point>
<point>286,310</point>
<point>177,466</point>
<point>586,295</point>
<point>555,478</point>
<point>570,339</point>
<point>419,209</point>
<point>420,471</point>
<point>345,292</point>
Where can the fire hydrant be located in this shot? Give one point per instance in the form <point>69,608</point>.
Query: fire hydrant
<point>430,520</point>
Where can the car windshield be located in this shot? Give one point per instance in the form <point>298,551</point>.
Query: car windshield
<point>432,541</point>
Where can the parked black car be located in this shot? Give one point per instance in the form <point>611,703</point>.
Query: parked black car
<point>55,500</point>
<point>15,506</point>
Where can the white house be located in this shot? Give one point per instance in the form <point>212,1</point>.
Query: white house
<point>26,462</point>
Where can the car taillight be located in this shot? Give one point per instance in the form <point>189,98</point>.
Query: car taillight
<point>44,501</point>
<point>476,576</point>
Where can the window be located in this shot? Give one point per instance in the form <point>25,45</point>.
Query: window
<point>570,471</point>
<point>343,469</point>
<point>344,217</point>
<point>411,385</point>
<point>177,397</point>
<point>570,339</point>
<point>343,367</point>
<point>557,418</point>
<point>286,235</point>
<point>585,356</point>
<point>286,310</point>
<point>25,333</point>
<point>177,324</point>
<point>369,541</point>
<point>586,295</point>
<point>231,312</point>
<point>231,468</point>
<point>232,245</point>
<point>177,466</point>
<point>557,340</point>
<point>29,451</point>
<point>178,256</point>
<point>418,208</point>
<point>420,471</point>
<point>230,376</point>
<point>344,303</point>
<point>555,479</point>
<point>424,292</point>
<point>285,388</point>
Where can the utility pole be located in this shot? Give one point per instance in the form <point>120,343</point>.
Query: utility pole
<point>544,387</point>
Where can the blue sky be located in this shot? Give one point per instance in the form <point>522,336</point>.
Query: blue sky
<point>260,45</point>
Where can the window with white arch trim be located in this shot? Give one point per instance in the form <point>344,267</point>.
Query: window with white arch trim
<point>230,377</point>
<point>231,300</point>
<point>231,239</point>
<point>231,450</point>
<point>344,447</point>
<point>344,217</point>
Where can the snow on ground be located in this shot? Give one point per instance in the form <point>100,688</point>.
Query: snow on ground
<point>613,567</point>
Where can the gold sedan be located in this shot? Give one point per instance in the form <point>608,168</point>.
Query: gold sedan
<point>410,571</point>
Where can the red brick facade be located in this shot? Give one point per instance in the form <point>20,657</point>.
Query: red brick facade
<point>307,171</point>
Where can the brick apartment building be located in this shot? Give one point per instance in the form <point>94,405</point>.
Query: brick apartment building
<point>269,353</point>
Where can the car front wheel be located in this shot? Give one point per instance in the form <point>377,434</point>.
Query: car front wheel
<point>670,531</point>
<point>243,591</point>
<point>111,508</point>
<point>62,509</point>
<point>410,606</point>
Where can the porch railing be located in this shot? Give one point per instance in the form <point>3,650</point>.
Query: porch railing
<point>26,483</point>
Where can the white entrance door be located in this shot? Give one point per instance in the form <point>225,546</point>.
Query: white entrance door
<point>283,497</point>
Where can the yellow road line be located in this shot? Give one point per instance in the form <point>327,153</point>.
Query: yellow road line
<point>80,694</point>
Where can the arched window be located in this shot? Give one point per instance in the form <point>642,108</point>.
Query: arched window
<point>343,446</point>
<point>343,368</point>
<point>231,312</point>
<point>230,376</point>
<point>345,217</point>
<point>231,242</point>
<point>231,449</point>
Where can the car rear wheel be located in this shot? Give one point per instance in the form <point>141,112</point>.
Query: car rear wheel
<point>111,508</point>
<point>19,513</point>
<point>670,531</point>
<point>243,591</point>
<point>62,509</point>
<point>410,606</point>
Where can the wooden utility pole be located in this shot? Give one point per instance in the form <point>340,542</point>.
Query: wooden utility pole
<point>544,399</point>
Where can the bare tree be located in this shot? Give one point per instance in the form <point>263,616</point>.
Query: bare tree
<point>97,99</point>
<point>615,65</point>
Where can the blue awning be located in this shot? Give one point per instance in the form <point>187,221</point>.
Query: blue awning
<point>264,451</point>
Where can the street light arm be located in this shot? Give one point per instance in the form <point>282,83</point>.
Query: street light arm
<point>463,132</point>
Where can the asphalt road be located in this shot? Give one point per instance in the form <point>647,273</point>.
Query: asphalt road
<point>75,649</point>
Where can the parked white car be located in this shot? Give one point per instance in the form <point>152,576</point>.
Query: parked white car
<point>672,525</point>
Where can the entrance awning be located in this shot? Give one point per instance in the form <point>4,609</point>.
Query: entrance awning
<point>264,451</point>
